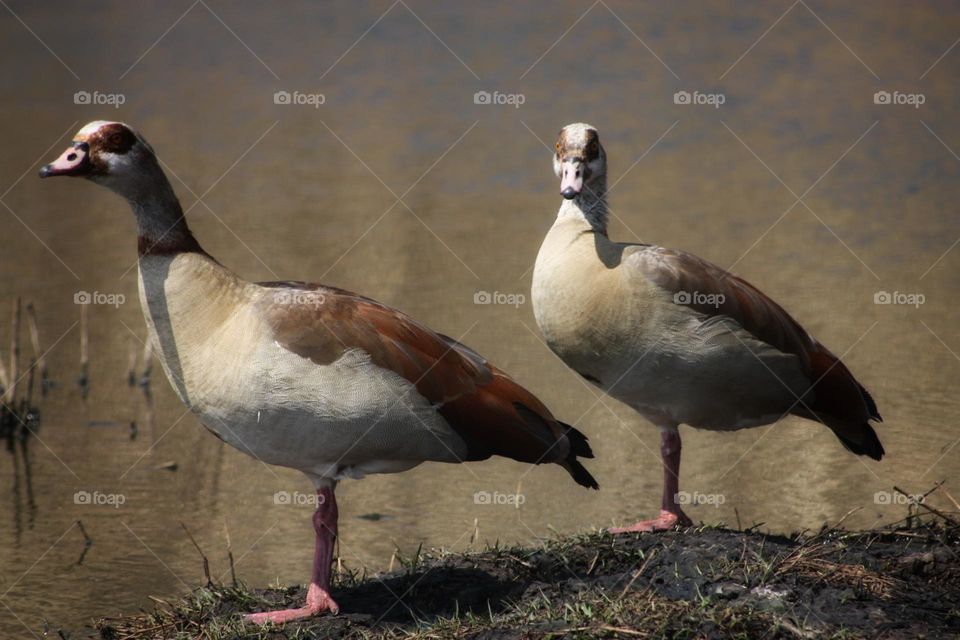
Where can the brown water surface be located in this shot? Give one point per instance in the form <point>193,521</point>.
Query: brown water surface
<point>293,191</point>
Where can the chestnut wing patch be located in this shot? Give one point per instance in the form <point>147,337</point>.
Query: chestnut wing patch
<point>836,392</point>
<point>492,413</point>
<point>715,292</point>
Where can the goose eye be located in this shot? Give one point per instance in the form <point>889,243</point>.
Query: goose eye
<point>116,139</point>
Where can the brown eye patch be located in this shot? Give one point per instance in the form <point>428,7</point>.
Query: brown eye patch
<point>593,146</point>
<point>114,138</point>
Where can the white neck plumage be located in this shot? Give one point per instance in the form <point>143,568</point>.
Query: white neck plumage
<point>590,205</point>
<point>161,227</point>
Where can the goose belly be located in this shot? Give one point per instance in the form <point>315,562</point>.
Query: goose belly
<point>718,379</point>
<point>345,419</point>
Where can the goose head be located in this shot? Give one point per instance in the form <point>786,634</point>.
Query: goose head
<point>108,153</point>
<point>579,161</point>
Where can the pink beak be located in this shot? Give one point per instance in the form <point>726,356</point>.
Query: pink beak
<point>571,178</point>
<point>75,161</point>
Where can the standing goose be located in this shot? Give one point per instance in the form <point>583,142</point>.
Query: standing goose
<point>676,338</point>
<point>307,376</point>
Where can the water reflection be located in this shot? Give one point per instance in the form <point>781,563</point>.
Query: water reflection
<point>23,498</point>
<point>306,201</point>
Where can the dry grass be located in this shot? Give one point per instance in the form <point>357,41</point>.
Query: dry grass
<point>700,583</point>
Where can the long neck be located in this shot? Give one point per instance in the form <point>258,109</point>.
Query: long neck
<point>161,226</point>
<point>590,205</point>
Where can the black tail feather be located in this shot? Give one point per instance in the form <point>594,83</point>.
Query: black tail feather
<point>579,473</point>
<point>870,445</point>
<point>579,447</point>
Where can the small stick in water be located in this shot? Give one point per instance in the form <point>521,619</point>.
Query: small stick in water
<point>206,563</point>
<point>913,501</point>
<point>84,380</point>
<point>11,389</point>
<point>233,571</point>
<point>4,378</point>
<point>147,363</point>
<point>132,363</point>
<point>87,542</point>
<point>37,349</point>
<point>27,401</point>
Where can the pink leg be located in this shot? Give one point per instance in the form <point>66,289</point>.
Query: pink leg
<point>671,515</point>
<point>318,595</point>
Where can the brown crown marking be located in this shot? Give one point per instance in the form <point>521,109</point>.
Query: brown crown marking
<point>110,138</point>
<point>587,150</point>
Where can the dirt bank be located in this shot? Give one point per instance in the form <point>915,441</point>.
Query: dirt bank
<point>698,583</point>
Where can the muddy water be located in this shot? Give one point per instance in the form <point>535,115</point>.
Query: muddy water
<point>294,191</point>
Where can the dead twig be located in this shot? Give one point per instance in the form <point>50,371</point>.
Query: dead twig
<point>233,571</point>
<point>924,505</point>
<point>639,572</point>
<point>10,391</point>
<point>206,563</point>
<point>87,542</point>
<point>38,354</point>
<point>84,379</point>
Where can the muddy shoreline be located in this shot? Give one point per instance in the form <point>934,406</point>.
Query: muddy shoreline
<point>703,582</point>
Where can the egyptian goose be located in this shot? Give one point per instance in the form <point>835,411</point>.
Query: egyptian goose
<point>304,375</point>
<point>676,338</point>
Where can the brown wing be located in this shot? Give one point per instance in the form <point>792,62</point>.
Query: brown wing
<point>493,414</point>
<point>683,273</point>
<point>837,394</point>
